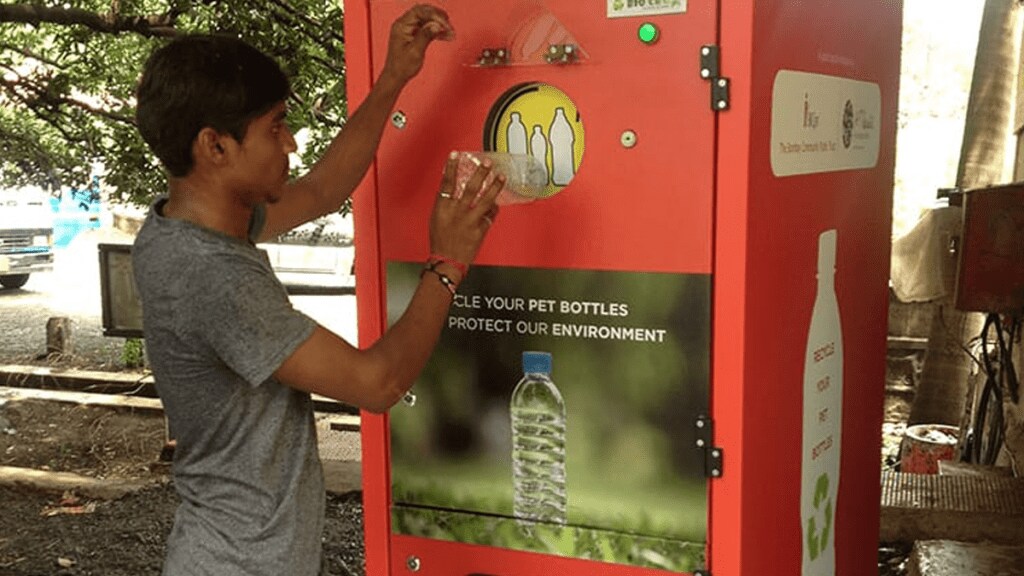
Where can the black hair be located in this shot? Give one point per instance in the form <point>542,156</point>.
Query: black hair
<point>200,81</point>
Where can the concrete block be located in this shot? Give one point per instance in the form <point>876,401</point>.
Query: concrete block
<point>950,558</point>
<point>962,508</point>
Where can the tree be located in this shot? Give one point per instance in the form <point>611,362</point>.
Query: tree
<point>68,72</point>
<point>943,389</point>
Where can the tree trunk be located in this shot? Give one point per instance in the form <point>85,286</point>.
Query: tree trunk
<point>942,392</point>
<point>59,336</point>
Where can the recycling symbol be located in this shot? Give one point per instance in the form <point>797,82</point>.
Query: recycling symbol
<point>618,5</point>
<point>817,540</point>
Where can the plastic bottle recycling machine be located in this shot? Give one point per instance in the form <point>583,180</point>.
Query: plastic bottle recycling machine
<point>701,294</point>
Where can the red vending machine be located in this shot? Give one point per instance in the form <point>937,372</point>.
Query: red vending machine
<point>674,361</point>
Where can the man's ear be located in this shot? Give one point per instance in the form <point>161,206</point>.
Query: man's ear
<point>210,147</point>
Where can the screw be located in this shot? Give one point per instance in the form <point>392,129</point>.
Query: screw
<point>716,472</point>
<point>628,139</point>
<point>700,443</point>
<point>413,564</point>
<point>722,82</point>
<point>705,73</point>
<point>700,423</point>
<point>716,453</point>
<point>399,120</point>
<point>722,104</point>
<point>705,50</point>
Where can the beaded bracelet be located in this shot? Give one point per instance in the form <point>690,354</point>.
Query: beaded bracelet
<point>437,259</point>
<point>448,283</point>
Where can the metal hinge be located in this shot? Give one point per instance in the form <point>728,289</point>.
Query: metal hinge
<point>713,455</point>
<point>710,70</point>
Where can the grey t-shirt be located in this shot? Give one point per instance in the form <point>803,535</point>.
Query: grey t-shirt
<point>218,324</point>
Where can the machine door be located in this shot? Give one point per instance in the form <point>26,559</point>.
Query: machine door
<point>608,276</point>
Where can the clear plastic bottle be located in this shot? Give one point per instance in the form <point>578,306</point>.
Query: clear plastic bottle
<point>515,136</point>
<point>822,419</point>
<point>563,160</point>
<point>526,179</point>
<point>538,443</point>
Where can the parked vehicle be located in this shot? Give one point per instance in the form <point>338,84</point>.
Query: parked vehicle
<point>26,235</point>
<point>315,257</point>
<point>75,211</point>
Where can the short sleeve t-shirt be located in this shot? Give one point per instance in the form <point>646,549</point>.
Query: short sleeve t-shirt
<point>217,325</point>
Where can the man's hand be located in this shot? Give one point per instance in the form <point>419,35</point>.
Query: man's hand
<point>460,222</point>
<point>411,33</point>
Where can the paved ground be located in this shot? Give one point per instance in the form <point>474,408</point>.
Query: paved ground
<point>72,289</point>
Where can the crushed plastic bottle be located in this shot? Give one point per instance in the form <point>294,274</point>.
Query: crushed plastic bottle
<point>526,178</point>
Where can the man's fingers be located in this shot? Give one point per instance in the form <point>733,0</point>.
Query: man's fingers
<point>476,181</point>
<point>487,200</point>
<point>430,18</point>
<point>448,177</point>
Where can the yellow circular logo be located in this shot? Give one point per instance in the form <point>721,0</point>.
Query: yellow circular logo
<point>539,120</point>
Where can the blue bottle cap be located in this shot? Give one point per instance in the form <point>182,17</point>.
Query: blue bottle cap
<point>537,362</point>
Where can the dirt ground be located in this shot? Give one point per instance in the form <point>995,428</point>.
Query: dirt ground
<point>66,534</point>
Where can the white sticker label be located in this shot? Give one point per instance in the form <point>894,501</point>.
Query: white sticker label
<point>623,8</point>
<point>824,124</point>
<point>5,265</point>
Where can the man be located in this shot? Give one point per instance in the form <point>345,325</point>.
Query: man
<point>234,362</point>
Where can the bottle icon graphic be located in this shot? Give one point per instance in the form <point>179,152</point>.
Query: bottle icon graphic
<point>538,443</point>
<point>539,147</point>
<point>563,162</point>
<point>822,419</point>
<point>516,135</point>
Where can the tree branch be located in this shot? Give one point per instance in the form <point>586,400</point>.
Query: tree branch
<point>315,24</point>
<point>29,54</point>
<point>152,25</point>
<point>43,97</point>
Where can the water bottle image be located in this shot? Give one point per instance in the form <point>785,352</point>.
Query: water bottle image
<point>563,161</point>
<point>516,135</point>
<point>526,178</point>
<point>538,443</point>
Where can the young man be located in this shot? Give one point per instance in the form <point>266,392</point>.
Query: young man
<point>234,362</point>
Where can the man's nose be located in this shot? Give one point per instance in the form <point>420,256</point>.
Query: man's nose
<point>289,142</point>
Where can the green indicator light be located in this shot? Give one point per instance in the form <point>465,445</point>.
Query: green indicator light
<point>648,33</point>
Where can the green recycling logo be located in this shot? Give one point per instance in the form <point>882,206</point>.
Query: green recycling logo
<point>618,5</point>
<point>818,539</point>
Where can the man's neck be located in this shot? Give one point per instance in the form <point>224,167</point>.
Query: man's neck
<point>204,204</point>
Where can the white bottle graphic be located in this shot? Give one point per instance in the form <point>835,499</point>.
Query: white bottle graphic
<point>563,162</point>
<point>516,135</point>
<point>538,443</point>
<point>822,420</point>
<point>539,148</point>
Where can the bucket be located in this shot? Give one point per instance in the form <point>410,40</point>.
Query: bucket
<point>924,445</point>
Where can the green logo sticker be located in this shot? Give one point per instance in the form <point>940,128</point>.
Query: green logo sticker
<point>624,8</point>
